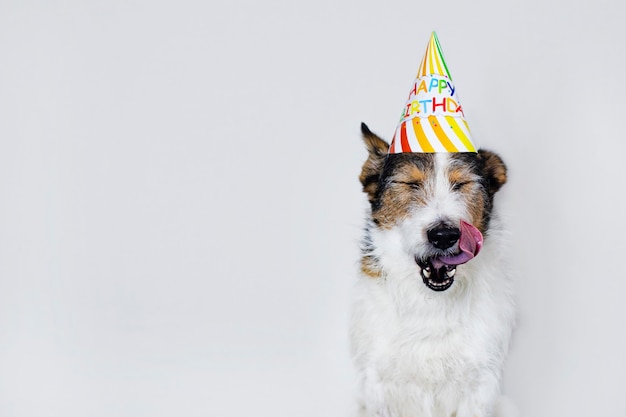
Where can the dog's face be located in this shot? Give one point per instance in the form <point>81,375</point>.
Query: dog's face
<point>422,199</point>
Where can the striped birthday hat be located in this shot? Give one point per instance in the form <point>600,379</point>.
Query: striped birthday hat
<point>432,120</point>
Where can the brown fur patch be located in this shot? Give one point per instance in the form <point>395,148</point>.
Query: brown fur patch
<point>414,175</point>
<point>476,207</point>
<point>369,267</point>
<point>459,176</point>
<point>465,181</point>
<point>494,170</point>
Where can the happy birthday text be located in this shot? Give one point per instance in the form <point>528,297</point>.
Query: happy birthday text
<point>431,95</point>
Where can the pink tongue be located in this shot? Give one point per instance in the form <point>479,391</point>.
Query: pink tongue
<point>470,243</point>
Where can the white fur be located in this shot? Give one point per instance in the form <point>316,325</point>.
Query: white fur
<point>422,353</point>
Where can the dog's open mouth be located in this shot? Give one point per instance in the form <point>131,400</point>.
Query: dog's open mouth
<point>437,279</point>
<point>438,272</point>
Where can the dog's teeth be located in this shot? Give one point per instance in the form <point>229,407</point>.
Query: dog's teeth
<point>426,272</point>
<point>451,273</point>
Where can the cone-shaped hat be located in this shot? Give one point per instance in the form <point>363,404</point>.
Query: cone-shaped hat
<point>432,120</point>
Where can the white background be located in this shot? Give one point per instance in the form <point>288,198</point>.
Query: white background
<point>180,211</point>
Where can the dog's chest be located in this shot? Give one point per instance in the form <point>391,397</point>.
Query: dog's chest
<point>418,340</point>
<point>428,353</point>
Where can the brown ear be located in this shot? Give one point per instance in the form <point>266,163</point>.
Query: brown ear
<point>372,168</point>
<point>494,170</point>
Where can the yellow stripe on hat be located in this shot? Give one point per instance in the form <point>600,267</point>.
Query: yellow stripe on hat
<point>430,53</point>
<point>436,55</point>
<point>441,135</point>
<point>460,134</point>
<point>421,136</point>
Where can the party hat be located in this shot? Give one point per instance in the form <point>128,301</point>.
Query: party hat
<point>433,119</point>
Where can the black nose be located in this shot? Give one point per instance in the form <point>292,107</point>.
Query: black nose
<point>443,237</point>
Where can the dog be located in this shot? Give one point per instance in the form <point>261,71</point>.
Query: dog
<point>432,319</point>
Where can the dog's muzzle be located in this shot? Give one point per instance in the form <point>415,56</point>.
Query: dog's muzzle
<point>438,271</point>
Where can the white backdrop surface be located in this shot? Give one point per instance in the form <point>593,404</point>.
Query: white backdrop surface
<point>180,211</point>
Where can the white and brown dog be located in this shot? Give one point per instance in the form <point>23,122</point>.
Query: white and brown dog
<point>430,330</point>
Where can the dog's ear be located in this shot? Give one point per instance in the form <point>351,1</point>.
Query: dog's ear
<point>494,170</point>
<point>373,166</point>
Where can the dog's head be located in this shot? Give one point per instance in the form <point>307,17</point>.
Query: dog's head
<point>435,205</point>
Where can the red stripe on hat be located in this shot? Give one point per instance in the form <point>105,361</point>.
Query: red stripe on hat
<point>392,147</point>
<point>403,139</point>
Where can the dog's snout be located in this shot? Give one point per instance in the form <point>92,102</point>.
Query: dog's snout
<point>443,237</point>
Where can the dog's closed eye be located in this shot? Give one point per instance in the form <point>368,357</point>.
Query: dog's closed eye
<point>458,185</point>
<point>413,184</point>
